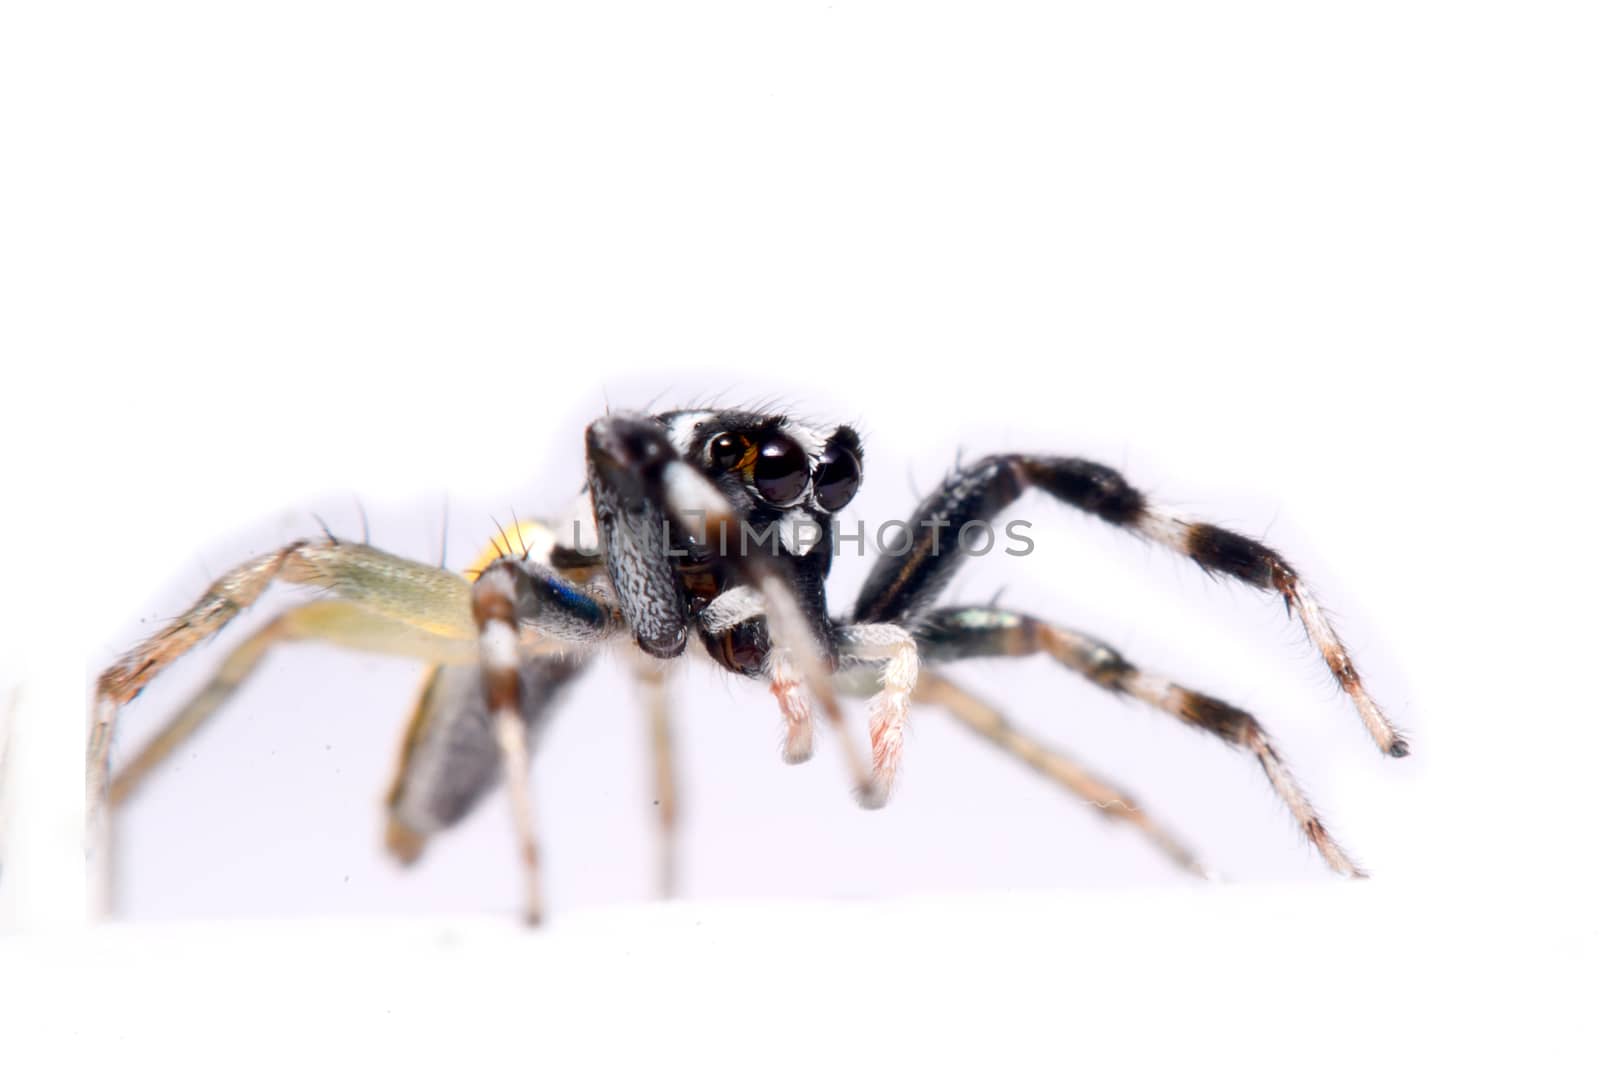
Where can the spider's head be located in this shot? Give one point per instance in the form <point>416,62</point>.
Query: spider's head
<point>776,469</point>
<point>649,474</point>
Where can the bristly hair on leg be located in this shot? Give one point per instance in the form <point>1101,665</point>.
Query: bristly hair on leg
<point>444,531</point>
<point>516,524</point>
<point>366,529</point>
<point>502,546</point>
<point>958,633</point>
<point>325,531</point>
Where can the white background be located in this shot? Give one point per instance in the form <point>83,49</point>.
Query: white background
<point>1326,277</point>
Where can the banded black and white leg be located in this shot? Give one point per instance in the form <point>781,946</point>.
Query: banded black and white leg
<point>958,633</point>
<point>900,587</point>
<point>510,595</point>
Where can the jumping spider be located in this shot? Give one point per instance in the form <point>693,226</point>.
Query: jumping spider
<point>712,528</point>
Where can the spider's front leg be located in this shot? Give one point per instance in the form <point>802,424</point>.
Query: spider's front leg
<point>901,588</point>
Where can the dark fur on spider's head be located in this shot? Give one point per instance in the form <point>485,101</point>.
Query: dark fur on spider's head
<point>769,463</point>
<point>775,479</point>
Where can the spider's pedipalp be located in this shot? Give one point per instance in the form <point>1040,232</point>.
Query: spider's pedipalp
<point>734,625</point>
<point>956,633</point>
<point>736,630</point>
<point>902,587</point>
<point>1107,799</point>
<point>799,738</point>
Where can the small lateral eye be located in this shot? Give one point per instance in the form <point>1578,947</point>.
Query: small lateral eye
<point>838,477</point>
<point>781,471</point>
<point>726,451</point>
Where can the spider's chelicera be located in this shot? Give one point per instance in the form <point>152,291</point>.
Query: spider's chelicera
<point>713,531</point>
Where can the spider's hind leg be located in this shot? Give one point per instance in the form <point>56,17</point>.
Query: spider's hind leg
<point>335,622</point>
<point>956,633</point>
<point>430,601</point>
<point>424,608</point>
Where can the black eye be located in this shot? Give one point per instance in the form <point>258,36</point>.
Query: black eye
<point>725,451</point>
<point>838,478</point>
<point>781,471</point>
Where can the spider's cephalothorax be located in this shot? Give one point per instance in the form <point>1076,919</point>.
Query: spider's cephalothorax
<point>712,530</point>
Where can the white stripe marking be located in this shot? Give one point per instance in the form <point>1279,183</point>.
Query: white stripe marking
<point>498,645</point>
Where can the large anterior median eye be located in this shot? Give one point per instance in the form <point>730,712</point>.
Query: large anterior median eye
<point>838,477</point>
<point>781,471</point>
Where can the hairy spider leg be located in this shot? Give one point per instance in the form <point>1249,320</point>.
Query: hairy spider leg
<point>379,602</point>
<point>335,622</point>
<point>900,588</point>
<point>889,709</point>
<point>650,681</point>
<point>741,612</point>
<point>429,600</point>
<point>956,633</point>
<point>509,595</point>
<point>449,758</point>
<point>1106,798</point>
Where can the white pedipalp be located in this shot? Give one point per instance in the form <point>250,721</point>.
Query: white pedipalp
<point>739,604</point>
<point>890,709</point>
